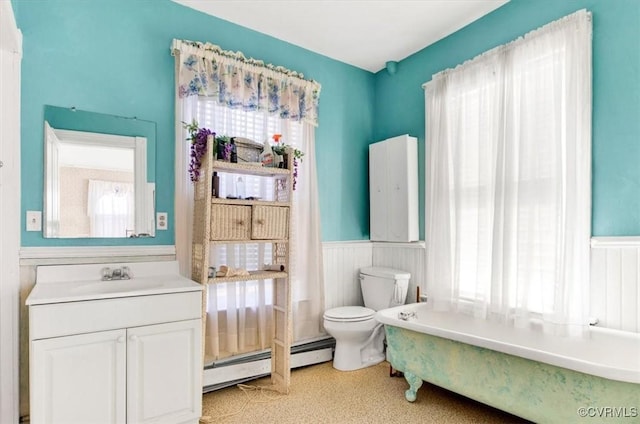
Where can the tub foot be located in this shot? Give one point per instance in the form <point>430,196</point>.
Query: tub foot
<point>415,383</point>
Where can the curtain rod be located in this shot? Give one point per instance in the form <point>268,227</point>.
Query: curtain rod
<point>517,41</point>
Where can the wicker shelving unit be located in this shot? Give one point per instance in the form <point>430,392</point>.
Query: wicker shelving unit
<point>230,221</point>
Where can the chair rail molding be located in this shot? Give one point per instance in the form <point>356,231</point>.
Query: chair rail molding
<point>622,241</point>
<point>80,254</point>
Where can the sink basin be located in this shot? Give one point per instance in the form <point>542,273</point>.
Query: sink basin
<point>77,283</point>
<point>117,286</point>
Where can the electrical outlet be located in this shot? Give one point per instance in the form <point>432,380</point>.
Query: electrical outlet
<point>161,221</point>
<point>34,220</point>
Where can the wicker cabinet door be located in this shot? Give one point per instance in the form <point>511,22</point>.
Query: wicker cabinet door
<point>270,223</point>
<point>230,222</point>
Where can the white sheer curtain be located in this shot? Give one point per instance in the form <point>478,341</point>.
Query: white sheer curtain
<point>509,180</point>
<point>239,314</point>
<point>111,208</point>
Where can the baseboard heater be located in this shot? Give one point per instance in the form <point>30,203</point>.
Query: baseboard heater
<point>240,369</point>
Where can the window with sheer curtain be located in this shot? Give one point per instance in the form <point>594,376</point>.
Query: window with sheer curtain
<point>110,206</point>
<point>243,97</point>
<point>240,313</point>
<point>509,180</point>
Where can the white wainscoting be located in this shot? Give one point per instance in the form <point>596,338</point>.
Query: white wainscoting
<point>615,282</point>
<point>614,288</point>
<point>410,257</point>
<point>343,260</point>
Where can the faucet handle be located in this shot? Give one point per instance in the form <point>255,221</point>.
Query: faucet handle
<point>126,273</point>
<point>106,273</point>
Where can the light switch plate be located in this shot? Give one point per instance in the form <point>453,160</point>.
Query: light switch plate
<point>34,220</point>
<point>161,221</point>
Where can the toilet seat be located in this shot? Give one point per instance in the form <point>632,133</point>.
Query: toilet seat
<point>349,314</point>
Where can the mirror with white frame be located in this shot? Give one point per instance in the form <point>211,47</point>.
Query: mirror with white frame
<point>99,175</point>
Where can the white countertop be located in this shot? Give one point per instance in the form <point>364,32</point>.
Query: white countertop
<point>75,283</point>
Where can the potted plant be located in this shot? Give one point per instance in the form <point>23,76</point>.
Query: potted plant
<point>221,146</point>
<point>284,150</point>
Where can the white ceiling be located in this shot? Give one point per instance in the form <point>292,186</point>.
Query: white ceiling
<point>365,34</point>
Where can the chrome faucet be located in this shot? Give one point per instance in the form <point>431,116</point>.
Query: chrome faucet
<point>406,315</point>
<point>109,274</point>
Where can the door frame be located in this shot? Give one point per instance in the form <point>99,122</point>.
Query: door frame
<point>10,59</point>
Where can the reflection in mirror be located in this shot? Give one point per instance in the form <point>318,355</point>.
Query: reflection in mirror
<point>98,184</point>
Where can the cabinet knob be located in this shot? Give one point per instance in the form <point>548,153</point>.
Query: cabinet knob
<point>260,221</point>
<point>240,222</point>
<point>121,339</point>
<point>133,338</point>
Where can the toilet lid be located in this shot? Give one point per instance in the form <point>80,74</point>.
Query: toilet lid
<point>349,313</point>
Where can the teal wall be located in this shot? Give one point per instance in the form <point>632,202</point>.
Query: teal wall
<point>113,57</point>
<point>616,95</point>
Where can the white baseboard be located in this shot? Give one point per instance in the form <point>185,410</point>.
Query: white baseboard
<point>226,374</point>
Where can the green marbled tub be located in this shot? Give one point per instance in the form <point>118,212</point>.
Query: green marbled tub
<point>533,390</point>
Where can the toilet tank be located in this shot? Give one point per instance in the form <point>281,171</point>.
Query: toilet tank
<point>383,287</point>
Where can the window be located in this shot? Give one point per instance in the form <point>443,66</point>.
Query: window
<point>256,126</point>
<point>508,189</point>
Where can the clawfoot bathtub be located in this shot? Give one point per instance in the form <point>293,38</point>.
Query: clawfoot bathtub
<point>532,375</point>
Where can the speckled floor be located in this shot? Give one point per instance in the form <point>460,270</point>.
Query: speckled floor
<point>321,394</point>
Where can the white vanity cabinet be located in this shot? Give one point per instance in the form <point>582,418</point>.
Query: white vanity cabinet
<point>79,378</point>
<point>393,189</point>
<point>161,381</point>
<point>124,355</point>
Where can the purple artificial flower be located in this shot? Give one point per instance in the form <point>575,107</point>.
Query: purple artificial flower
<point>198,150</point>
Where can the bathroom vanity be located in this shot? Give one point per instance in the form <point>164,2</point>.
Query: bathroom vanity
<point>115,351</point>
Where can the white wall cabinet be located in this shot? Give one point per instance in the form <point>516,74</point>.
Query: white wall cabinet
<point>129,352</point>
<point>393,189</point>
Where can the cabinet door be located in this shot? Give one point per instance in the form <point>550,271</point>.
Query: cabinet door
<point>79,379</point>
<point>164,373</point>
<point>393,187</point>
<point>230,222</point>
<point>269,223</point>
<point>397,189</point>
<point>378,209</point>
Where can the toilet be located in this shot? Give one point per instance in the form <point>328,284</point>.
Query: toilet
<point>359,336</point>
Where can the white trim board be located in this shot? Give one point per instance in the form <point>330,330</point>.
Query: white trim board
<point>96,254</point>
<point>404,245</point>
<point>10,75</point>
<point>622,241</point>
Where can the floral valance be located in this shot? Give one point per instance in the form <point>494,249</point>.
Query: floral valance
<point>205,69</point>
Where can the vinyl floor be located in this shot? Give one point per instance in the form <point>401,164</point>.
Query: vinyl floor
<point>324,395</point>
